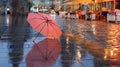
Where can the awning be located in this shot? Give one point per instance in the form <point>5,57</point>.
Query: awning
<point>99,1</point>
<point>71,2</point>
<point>106,0</point>
<point>79,2</point>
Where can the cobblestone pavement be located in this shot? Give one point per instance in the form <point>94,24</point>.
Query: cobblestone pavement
<point>100,38</point>
<point>98,31</point>
<point>83,44</point>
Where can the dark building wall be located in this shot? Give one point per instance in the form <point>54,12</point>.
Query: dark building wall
<point>19,6</point>
<point>118,4</point>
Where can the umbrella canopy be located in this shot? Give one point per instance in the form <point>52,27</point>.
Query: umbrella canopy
<point>44,25</point>
<point>44,53</point>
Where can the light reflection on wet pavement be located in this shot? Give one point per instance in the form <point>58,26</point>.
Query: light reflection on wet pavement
<point>83,44</point>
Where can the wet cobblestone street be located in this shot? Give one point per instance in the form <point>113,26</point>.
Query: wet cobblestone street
<point>82,44</point>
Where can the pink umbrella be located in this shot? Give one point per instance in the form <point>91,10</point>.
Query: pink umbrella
<point>44,25</point>
<point>44,53</point>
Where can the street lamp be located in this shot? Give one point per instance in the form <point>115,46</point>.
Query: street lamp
<point>30,4</point>
<point>95,4</point>
<point>5,6</point>
<point>114,4</point>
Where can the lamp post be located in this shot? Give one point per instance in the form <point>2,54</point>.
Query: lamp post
<point>30,4</point>
<point>5,6</point>
<point>52,4</point>
<point>114,4</point>
<point>95,4</point>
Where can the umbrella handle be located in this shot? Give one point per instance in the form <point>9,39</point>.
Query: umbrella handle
<point>34,42</point>
<point>35,38</point>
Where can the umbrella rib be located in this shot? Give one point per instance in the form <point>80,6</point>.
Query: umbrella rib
<point>53,27</point>
<point>43,17</point>
<point>39,18</point>
<point>44,55</point>
<point>47,25</point>
<point>39,25</point>
<point>40,51</point>
<point>48,29</point>
<point>55,24</point>
<point>50,52</point>
<point>42,28</point>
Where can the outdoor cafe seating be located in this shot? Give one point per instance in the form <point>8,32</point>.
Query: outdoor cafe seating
<point>104,13</point>
<point>113,16</point>
<point>90,16</point>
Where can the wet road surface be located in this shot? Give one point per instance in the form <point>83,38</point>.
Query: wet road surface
<point>83,44</point>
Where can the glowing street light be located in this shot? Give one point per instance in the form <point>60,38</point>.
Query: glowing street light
<point>5,6</point>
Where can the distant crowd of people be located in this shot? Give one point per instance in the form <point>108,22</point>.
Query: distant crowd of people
<point>86,15</point>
